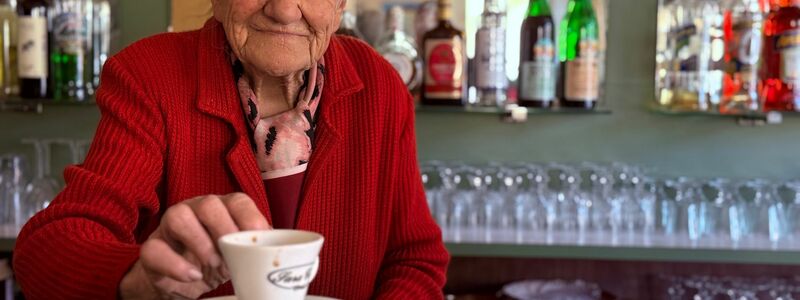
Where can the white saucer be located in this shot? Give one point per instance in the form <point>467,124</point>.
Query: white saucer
<point>307,298</point>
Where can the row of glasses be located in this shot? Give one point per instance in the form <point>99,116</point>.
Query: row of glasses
<point>607,203</point>
<point>728,288</point>
<point>25,191</point>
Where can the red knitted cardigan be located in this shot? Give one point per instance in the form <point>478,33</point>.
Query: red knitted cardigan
<point>172,128</point>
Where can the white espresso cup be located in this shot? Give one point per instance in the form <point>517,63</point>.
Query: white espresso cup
<point>271,264</point>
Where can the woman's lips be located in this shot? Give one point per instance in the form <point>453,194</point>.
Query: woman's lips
<point>281,32</point>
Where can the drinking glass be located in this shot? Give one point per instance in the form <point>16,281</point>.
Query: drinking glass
<point>498,182</point>
<point>466,182</point>
<point>564,206</point>
<point>43,188</point>
<point>431,181</point>
<point>529,211</point>
<point>794,210</point>
<point>720,193</point>
<point>13,178</point>
<point>769,211</point>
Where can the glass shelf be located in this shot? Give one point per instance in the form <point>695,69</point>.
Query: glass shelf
<point>625,247</point>
<point>16,104</point>
<point>628,253</point>
<point>497,111</point>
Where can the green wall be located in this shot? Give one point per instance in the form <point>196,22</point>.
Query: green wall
<point>670,145</point>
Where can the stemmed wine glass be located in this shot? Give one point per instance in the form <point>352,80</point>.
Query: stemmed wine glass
<point>43,188</point>
<point>13,178</point>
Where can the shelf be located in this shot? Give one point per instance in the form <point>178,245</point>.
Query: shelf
<point>497,111</point>
<point>772,257</point>
<point>16,104</point>
<point>624,253</point>
<point>654,107</point>
<point>623,246</point>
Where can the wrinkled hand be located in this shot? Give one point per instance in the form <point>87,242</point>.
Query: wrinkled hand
<point>180,260</point>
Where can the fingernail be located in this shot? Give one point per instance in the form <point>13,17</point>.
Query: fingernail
<point>214,261</point>
<point>195,275</point>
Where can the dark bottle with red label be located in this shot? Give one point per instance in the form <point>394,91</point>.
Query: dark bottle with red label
<point>444,81</point>
<point>780,73</point>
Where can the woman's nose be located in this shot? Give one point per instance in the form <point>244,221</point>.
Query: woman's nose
<point>283,11</point>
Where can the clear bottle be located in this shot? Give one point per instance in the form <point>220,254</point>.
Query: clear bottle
<point>101,41</point>
<point>70,51</point>
<point>698,45</point>
<point>8,48</point>
<point>399,49</point>
<point>32,48</point>
<point>348,26</point>
<point>744,42</point>
<point>710,60</point>
<point>490,56</point>
<point>665,51</point>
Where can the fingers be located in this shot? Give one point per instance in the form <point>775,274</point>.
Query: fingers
<point>214,216</point>
<point>180,225</point>
<point>159,258</point>
<point>245,213</point>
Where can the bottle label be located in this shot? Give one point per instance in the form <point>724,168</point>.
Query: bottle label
<point>789,46</point>
<point>687,45</point>
<point>746,43</point>
<point>538,78</point>
<point>445,68</point>
<point>490,60</point>
<point>745,47</point>
<point>403,65</point>
<point>32,47</point>
<point>582,74</point>
<point>69,32</point>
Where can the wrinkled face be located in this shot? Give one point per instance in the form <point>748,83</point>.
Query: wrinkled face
<point>279,37</point>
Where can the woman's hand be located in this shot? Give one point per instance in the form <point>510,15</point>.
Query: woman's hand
<point>180,259</point>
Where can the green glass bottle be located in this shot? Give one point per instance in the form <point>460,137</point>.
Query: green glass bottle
<point>71,37</point>
<point>538,58</point>
<point>579,54</point>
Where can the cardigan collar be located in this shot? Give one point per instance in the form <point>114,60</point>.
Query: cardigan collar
<point>217,96</point>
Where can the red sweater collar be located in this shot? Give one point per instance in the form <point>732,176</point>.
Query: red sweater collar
<point>217,96</point>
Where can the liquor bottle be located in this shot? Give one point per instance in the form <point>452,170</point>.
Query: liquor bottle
<point>444,79</point>
<point>71,36</point>
<point>8,48</point>
<point>710,59</point>
<point>538,59</point>
<point>400,50</point>
<point>348,26</point>
<point>744,26</point>
<point>664,53</point>
<point>32,49</point>
<point>491,80</point>
<point>780,72</point>
<point>425,20</point>
<point>697,45</point>
<point>579,55</point>
<point>101,41</point>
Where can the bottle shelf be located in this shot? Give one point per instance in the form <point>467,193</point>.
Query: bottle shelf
<point>757,118</point>
<point>16,104</point>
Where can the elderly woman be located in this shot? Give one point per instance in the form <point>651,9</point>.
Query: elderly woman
<point>260,119</point>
